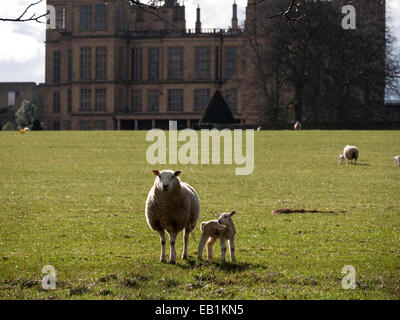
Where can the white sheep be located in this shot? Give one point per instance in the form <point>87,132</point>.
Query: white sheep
<point>222,229</point>
<point>172,206</point>
<point>351,153</point>
<point>341,159</point>
<point>397,161</point>
<point>297,125</point>
<point>27,129</point>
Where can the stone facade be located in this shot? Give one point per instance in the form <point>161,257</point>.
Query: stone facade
<point>106,65</point>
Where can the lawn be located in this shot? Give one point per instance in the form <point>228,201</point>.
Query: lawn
<point>75,201</point>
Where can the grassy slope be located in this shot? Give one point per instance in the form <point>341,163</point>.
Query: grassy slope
<point>75,200</point>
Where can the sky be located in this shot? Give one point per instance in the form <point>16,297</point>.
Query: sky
<point>22,49</point>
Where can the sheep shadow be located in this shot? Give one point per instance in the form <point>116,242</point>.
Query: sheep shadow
<point>230,267</point>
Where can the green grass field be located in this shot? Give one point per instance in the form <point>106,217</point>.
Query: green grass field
<point>75,200</point>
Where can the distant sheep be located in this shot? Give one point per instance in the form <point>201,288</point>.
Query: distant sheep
<point>222,229</point>
<point>173,206</point>
<point>397,161</point>
<point>297,125</point>
<point>341,159</point>
<point>351,153</point>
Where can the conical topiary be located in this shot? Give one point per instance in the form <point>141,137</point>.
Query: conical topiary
<point>217,111</point>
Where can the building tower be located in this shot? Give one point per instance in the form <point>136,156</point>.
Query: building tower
<point>198,22</point>
<point>234,16</point>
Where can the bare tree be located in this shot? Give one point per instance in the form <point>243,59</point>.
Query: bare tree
<point>312,69</point>
<point>151,6</point>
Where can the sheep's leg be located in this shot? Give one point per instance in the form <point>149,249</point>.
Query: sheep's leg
<point>223,249</point>
<point>172,255</point>
<point>210,245</point>
<point>232,249</point>
<point>202,243</point>
<point>186,233</point>
<point>162,239</point>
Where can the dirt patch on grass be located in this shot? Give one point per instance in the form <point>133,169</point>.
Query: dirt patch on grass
<point>289,211</point>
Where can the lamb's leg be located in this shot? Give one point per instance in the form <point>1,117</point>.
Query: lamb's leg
<point>186,233</point>
<point>223,249</point>
<point>162,239</point>
<point>202,243</point>
<point>210,245</point>
<point>172,255</point>
<point>232,249</point>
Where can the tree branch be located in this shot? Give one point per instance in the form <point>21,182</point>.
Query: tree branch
<point>22,17</point>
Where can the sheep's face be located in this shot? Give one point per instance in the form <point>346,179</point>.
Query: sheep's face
<point>226,218</point>
<point>166,180</point>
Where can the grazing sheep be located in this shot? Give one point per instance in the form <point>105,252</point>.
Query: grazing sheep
<point>173,206</point>
<point>397,161</point>
<point>341,159</point>
<point>222,229</point>
<point>297,125</point>
<point>351,153</point>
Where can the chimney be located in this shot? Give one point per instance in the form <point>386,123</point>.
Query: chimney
<point>198,22</point>
<point>234,16</point>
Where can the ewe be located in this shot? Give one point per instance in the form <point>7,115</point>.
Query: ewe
<point>297,125</point>
<point>222,229</point>
<point>397,161</point>
<point>173,206</point>
<point>351,153</point>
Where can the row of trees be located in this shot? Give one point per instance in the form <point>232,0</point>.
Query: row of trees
<point>311,69</point>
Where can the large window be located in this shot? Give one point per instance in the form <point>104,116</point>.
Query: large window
<point>60,17</point>
<point>175,100</point>
<point>202,63</point>
<point>100,125</point>
<point>121,18</point>
<point>85,125</point>
<point>100,99</point>
<point>11,98</point>
<point>152,100</point>
<point>86,63</point>
<point>231,99</point>
<point>101,63</point>
<point>136,64</point>
<point>86,100</point>
<point>86,17</point>
<point>201,99</point>
<point>175,63</point>
<point>56,102</point>
<point>56,67</point>
<point>230,62</point>
<point>101,17</point>
<point>56,125</point>
<point>136,100</point>
<point>154,62</point>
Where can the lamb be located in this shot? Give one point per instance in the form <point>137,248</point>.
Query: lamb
<point>172,206</point>
<point>297,125</point>
<point>351,153</point>
<point>397,161</point>
<point>223,229</point>
<point>341,159</point>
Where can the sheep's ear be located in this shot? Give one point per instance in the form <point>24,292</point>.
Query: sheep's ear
<point>156,172</point>
<point>177,173</point>
<point>232,213</point>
